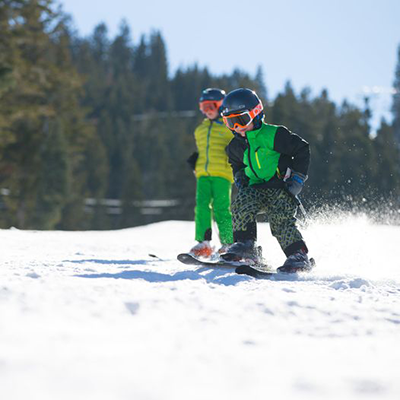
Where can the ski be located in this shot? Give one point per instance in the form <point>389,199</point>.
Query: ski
<point>189,259</point>
<point>257,272</point>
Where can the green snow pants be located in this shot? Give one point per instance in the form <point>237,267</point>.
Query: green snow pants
<point>280,208</point>
<point>213,195</point>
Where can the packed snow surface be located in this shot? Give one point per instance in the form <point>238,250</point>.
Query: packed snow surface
<point>91,315</point>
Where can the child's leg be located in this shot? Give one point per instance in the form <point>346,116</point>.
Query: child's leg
<point>245,208</point>
<point>281,216</point>
<point>221,191</point>
<point>203,209</point>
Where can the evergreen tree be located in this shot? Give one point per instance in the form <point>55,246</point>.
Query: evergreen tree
<point>159,88</point>
<point>47,124</point>
<point>354,175</point>
<point>88,119</point>
<point>396,100</point>
<point>286,109</point>
<point>260,82</point>
<point>187,85</point>
<point>387,179</point>
<point>7,73</point>
<point>53,180</point>
<point>324,140</point>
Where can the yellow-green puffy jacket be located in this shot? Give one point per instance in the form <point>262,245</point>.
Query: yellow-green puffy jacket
<point>212,137</point>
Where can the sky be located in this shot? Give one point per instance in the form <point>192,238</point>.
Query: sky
<point>348,47</point>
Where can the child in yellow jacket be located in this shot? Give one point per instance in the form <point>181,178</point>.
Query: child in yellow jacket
<point>213,173</point>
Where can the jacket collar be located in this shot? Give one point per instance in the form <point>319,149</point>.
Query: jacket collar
<point>252,134</point>
<point>218,120</point>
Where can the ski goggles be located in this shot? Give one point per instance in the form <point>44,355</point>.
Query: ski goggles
<point>209,105</point>
<point>243,119</point>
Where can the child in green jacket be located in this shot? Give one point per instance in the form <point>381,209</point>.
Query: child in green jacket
<point>270,166</point>
<point>214,175</point>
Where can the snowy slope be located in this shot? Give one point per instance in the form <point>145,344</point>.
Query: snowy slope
<point>90,315</point>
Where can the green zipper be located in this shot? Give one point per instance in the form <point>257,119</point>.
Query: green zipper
<point>258,161</point>
<point>249,157</point>
<point>208,146</point>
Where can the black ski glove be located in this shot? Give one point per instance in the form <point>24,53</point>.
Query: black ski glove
<point>295,183</point>
<point>241,179</point>
<point>192,160</point>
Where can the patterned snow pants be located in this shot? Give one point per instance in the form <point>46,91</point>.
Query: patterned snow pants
<point>280,208</point>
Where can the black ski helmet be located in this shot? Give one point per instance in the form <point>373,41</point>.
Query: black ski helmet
<point>242,100</point>
<point>212,94</point>
<point>211,97</point>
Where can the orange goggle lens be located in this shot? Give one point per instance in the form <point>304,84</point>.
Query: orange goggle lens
<point>243,119</point>
<point>209,105</point>
<point>237,120</point>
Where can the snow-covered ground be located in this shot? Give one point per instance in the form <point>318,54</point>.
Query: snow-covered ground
<point>90,315</point>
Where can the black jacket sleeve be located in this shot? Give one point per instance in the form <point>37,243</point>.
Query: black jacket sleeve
<point>292,145</point>
<point>235,151</point>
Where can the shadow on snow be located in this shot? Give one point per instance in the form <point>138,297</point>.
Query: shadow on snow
<point>112,262</point>
<point>218,275</point>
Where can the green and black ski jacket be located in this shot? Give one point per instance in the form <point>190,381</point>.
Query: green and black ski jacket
<point>266,153</point>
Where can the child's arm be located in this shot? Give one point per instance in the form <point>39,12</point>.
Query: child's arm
<point>235,150</point>
<point>293,145</point>
<point>192,160</point>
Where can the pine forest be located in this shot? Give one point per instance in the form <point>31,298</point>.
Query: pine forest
<point>95,131</point>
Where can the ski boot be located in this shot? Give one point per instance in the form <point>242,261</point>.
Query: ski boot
<point>243,251</point>
<point>223,249</point>
<point>202,249</point>
<point>297,262</point>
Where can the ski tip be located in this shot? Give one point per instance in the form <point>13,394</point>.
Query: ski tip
<point>188,259</point>
<point>245,270</point>
<point>261,272</point>
<point>184,257</point>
